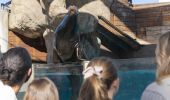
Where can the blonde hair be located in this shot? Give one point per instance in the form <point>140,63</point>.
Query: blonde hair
<point>41,89</point>
<point>163,57</point>
<point>96,86</point>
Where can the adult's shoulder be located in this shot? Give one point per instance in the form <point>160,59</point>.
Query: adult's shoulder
<point>6,92</point>
<point>153,92</point>
<point>156,91</point>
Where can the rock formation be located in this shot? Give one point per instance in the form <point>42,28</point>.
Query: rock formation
<point>37,18</point>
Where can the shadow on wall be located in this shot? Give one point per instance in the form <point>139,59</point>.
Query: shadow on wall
<point>37,43</point>
<point>144,51</point>
<point>78,3</point>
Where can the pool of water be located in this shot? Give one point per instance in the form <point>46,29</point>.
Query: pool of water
<point>132,82</point>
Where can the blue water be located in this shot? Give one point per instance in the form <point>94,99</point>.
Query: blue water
<point>132,83</point>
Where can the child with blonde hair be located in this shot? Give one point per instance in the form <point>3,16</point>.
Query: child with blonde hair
<point>41,89</point>
<point>160,89</point>
<point>101,80</point>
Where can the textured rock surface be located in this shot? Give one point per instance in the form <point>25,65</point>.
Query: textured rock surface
<point>29,17</point>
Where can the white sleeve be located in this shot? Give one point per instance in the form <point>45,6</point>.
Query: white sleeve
<point>151,95</point>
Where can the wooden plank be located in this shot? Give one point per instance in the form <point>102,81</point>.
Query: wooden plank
<point>121,35</point>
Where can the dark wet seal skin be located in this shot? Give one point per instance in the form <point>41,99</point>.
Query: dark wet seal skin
<point>65,35</point>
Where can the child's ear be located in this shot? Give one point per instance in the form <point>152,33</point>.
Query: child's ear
<point>114,88</point>
<point>115,84</point>
<point>29,72</point>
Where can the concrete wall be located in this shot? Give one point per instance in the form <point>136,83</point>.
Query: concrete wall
<point>152,20</point>
<point>3,30</point>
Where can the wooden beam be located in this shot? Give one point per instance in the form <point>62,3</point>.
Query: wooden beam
<point>120,34</point>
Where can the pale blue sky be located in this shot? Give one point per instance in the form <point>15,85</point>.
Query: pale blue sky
<point>144,1</point>
<point>134,1</point>
<point>2,1</point>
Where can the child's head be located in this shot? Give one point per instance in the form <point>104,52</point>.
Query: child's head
<point>101,80</point>
<point>41,89</point>
<point>163,56</point>
<point>15,66</point>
